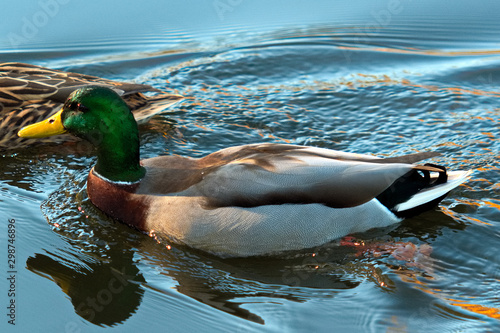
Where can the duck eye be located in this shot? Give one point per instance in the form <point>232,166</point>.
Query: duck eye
<point>81,108</point>
<point>75,106</point>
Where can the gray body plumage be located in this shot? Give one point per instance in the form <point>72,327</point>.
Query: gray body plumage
<point>268,198</point>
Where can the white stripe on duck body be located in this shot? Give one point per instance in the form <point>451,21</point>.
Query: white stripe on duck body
<point>257,199</point>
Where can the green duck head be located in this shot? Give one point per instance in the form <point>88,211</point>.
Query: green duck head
<point>99,115</point>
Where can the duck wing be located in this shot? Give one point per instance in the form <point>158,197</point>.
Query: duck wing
<point>273,174</point>
<point>22,84</point>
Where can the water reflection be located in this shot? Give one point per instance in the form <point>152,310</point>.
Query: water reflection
<point>428,79</point>
<point>104,293</point>
<point>107,289</point>
<point>106,283</point>
<point>226,284</point>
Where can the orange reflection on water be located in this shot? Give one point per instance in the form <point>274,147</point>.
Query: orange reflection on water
<point>480,204</point>
<point>479,309</point>
<point>371,79</point>
<point>420,51</point>
<point>492,204</point>
<point>203,127</point>
<point>476,308</point>
<point>454,215</point>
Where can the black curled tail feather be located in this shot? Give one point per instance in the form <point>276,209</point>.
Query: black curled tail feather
<point>410,184</point>
<point>443,176</point>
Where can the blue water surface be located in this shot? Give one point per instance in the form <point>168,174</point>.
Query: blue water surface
<point>377,77</point>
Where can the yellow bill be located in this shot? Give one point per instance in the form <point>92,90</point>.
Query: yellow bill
<point>48,127</point>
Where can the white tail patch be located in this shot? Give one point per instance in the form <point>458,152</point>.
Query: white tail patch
<point>455,178</point>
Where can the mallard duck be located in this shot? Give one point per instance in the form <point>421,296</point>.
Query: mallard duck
<point>30,93</point>
<point>249,200</point>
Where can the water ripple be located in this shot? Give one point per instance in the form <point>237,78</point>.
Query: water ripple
<point>360,81</point>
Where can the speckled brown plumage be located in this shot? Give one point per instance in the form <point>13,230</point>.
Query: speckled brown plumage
<point>30,93</point>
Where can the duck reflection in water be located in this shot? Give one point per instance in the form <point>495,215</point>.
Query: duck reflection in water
<point>107,288</point>
<point>103,293</point>
<point>106,292</point>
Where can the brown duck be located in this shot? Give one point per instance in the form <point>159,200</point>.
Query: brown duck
<point>30,93</point>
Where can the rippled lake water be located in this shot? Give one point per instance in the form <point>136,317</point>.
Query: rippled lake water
<point>384,78</point>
